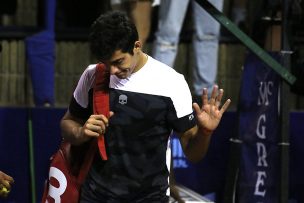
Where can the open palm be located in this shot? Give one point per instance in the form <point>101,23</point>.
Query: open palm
<point>210,114</point>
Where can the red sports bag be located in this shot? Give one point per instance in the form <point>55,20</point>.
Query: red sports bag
<point>70,164</point>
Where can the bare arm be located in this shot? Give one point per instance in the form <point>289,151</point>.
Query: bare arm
<point>78,131</point>
<point>195,142</point>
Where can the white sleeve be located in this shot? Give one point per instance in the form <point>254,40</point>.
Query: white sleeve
<point>85,83</point>
<point>181,97</point>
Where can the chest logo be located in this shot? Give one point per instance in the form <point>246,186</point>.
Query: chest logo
<point>123,99</point>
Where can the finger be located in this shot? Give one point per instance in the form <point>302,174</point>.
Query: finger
<point>213,95</point>
<point>6,179</point>
<point>205,96</point>
<point>111,114</point>
<point>196,108</point>
<point>219,98</point>
<point>91,133</point>
<point>102,130</point>
<point>10,179</point>
<point>225,106</point>
<point>96,128</point>
<point>101,118</point>
<point>96,116</point>
<point>105,120</point>
<point>98,120</point>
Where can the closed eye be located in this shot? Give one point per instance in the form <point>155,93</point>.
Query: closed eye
<point>117,62</point>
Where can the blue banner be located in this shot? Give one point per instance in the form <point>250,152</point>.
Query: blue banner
<point>40,53</point>
<point>259,132</point>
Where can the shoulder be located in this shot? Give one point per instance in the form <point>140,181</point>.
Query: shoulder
<point>84,85</point>
<point>89,73</point>
<point>175,86</point>
<point>164,71</point>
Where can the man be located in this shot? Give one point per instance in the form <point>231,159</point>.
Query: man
<point>148,100</point>
<point>5,184</point>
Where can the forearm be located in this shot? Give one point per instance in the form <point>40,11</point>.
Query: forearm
<point>196,147</point>
<point>71,130</point>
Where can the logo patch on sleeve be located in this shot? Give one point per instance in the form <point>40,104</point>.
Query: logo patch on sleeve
<point>191,117</point>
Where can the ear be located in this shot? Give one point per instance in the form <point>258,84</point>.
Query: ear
<point>137,46</point>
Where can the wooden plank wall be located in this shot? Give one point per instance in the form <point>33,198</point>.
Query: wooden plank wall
<point>72,57</point>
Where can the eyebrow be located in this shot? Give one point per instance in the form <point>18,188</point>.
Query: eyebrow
<point>117,60</point>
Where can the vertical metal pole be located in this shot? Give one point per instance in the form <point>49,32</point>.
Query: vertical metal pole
<point>284,109</point>
<point>31,157</point>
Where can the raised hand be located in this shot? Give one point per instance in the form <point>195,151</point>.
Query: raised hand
<point>210,114</point>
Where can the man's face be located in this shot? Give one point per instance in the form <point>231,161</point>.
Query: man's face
<point>122,64</point>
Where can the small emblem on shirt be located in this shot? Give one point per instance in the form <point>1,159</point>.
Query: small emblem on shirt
<point>123,99</point>
<point>191,117</point>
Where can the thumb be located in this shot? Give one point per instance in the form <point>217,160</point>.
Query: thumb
<point>111,114</point>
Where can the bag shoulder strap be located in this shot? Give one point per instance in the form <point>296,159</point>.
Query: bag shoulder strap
<point>100,106</point>
<point>101,101</point>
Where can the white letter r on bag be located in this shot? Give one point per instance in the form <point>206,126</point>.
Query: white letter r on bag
<point>55,192</point>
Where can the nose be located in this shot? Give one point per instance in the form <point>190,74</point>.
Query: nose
<point>114,69</point>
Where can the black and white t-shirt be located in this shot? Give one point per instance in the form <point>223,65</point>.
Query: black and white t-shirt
<point>147,107</point>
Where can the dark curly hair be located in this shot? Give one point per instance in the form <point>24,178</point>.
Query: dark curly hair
<point>110,32</point>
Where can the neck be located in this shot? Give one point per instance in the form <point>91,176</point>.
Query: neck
<point>142,60</point>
